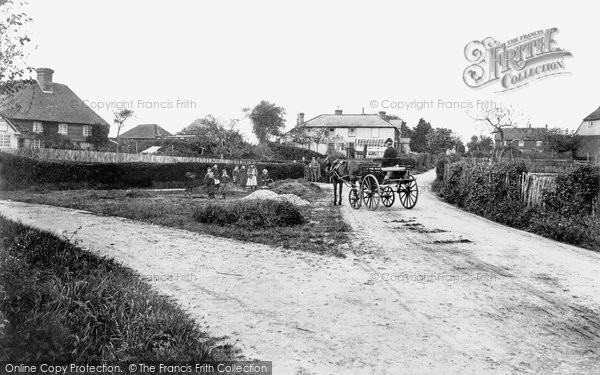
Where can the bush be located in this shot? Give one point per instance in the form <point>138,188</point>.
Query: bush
<point>288,152</point>
<point>249,213</point>
<point>66,304</point>
<point>492,191</point>
<point>19,173</point>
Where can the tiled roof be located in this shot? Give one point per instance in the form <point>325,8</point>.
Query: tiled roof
<point>593,116</point>
<point>60,105</point>
<point>347,121</point>
<point>146,131</point>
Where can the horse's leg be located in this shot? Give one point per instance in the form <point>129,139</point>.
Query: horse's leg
<point>340,196</point>
<point>335,183</point>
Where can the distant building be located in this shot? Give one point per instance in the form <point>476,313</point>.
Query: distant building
<point>589,130</point>
<point>46,110</point>
<point>343,131</point>
<point>523,139</point>
<point>145,132</point>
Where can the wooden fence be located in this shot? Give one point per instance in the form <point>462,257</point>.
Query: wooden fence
<point>534,184</point>
<point>112,157</point>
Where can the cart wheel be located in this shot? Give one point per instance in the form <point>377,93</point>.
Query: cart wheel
<point>354,198</point>
<point>369,189</point>
<point>408,193</point>
<point>388,196</point>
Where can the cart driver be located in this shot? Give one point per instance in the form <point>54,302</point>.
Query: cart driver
<point>390,157</point>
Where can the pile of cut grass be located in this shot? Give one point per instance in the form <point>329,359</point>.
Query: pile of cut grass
<point>302,188</point>
<point>61,303</point>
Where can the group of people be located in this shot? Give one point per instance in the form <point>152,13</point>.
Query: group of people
<point>240,176</point>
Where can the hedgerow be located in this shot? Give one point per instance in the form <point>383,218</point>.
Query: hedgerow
<point>493,191</point>
<point>20,173</point>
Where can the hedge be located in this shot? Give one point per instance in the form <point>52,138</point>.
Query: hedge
<point>20,173</point>
<point>492,191</point>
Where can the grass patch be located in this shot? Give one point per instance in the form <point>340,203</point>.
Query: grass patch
<point>249,213</point>
<point>61,303</point>
<point>321,232</point>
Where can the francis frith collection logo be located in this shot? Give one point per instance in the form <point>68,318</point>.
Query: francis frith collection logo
<point>514,63</point>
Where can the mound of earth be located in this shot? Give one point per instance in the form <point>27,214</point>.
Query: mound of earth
<point>268,194</point>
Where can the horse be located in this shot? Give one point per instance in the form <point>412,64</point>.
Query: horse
<point>340,171</point>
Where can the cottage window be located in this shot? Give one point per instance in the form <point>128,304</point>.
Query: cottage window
<point>63,129</point>
<point>375,133</point>
<point>38,127</point>
<point>87,130</point>
<point>351,132</point>
<point>521,143</point>
<point>591,124</point>
<point>4,141</point>
<point>539,143</point>
<point>36,143</point>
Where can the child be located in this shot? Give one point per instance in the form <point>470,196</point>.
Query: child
<point>252,172</point>
<point>224,181</point>
<point>215,172</point>
<point>264,179</point>
<point>235,173</point>
<point>209,181</point>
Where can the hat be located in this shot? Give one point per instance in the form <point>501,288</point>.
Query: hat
<point>389,140</point>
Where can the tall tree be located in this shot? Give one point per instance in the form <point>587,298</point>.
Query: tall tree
<point>441,139</point>
<point>267,118</point>
<point>13,41</point>
<point>219,138</point>
<point>406,131</point>
<point>418,141</point>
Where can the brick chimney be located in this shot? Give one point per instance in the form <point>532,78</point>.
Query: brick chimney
<point>300,120</point>
<point>44,79</point>
<point>338,111</point>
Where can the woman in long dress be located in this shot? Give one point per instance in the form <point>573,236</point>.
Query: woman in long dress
<point>252,182</point>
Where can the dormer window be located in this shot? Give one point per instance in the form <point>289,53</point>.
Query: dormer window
<point>63,129</point>
<point>38,127</point>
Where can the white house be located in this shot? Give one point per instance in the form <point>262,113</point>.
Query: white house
<point>9,135</point>
<point>589,130</point>
<point>344,131</point>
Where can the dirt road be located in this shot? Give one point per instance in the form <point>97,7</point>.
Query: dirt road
<point>427,291</point>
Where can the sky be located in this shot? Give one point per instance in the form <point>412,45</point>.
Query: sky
<point>175,61</point>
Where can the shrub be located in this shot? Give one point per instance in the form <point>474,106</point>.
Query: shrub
<point>19,172</point>
<point>288,152</point>
<point>249,213</point>
<point>66,304</point>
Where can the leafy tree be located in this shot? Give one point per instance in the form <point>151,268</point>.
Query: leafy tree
<point>480,145</point>
<point>216,137</point>
<point>441,139</point>
<point>559,140</point>
<point>267,119</point>
<point>406,131</point>
<point>13,40</point>
<point>418,141</point>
